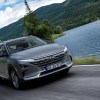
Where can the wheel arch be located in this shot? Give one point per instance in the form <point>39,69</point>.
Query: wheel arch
<point>17,69</point>
<point>11,67</point>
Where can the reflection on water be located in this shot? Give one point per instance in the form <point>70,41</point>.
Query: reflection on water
<point>83,41</point>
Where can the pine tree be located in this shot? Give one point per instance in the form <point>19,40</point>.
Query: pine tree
<point>30,20</point>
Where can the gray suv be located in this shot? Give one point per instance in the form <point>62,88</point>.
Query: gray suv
<point>29,58</point>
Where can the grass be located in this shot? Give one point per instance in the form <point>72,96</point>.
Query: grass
<point>55,36</point>
<point>88,60</point>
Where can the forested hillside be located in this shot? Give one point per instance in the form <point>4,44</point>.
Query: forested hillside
<point>69,14</point>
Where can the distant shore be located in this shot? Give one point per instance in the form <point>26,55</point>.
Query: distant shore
<point>55,36</point>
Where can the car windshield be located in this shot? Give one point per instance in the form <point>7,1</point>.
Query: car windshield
<point>24,44</point>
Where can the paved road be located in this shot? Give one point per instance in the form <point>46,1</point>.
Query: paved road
<point>81,83</point>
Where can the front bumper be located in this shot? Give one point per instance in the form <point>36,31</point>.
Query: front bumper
<point>40,74</point>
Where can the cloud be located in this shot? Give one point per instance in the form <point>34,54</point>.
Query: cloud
<point>5,16</point>
<point>1,2</point>
<point>9,2</point>
<point>8,10</point>
<point>12,14</point>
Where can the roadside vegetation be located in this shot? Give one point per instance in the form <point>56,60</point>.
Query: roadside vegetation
<point>55,36</point>
<point>87,60</point>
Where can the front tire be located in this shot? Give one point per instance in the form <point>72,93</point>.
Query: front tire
<point>14,79</point>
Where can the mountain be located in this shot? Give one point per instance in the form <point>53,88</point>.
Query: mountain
<point>11,31</point>
<point>69,14</point>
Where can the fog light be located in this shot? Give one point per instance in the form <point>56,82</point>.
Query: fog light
<point>24,67</point>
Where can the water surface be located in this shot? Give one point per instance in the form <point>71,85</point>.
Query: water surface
<point>83,41</point>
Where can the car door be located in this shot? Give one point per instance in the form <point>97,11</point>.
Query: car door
<point>3,62</point>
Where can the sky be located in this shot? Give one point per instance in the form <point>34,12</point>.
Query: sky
<point>13,10</point>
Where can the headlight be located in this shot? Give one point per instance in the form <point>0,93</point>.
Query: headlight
<point>65,49</point>
<point>27,60</point>
<point>68,52</point>
<point>26,63</point>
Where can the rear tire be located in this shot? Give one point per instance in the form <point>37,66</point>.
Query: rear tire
<point>14,79</point>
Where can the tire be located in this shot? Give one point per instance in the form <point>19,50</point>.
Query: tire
<point>14,79</point>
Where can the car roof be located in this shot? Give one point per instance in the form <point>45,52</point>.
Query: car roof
<point>16,39</point>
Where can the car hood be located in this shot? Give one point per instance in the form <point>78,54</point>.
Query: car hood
<point>38,52</point>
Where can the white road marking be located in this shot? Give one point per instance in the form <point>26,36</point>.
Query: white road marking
<point>86,65</point>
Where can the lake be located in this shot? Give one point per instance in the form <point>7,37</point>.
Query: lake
<point>82,41</point>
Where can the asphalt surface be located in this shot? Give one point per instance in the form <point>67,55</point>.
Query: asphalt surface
<point>81,83</point>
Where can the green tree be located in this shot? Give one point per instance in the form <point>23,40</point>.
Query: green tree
<point>30,20</point>
<point>32,26</point>
<point>44,31</point>
<point>49,29</point>
<point>58,30</point>
<point>46,22</point>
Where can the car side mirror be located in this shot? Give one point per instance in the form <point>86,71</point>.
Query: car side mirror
<point>3,54</point>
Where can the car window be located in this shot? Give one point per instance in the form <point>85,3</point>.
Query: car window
<point>18,46</point>
<point>2,50</point>
<point>24,44</point>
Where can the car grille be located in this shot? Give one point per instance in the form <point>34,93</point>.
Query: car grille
<point>50,60</point>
